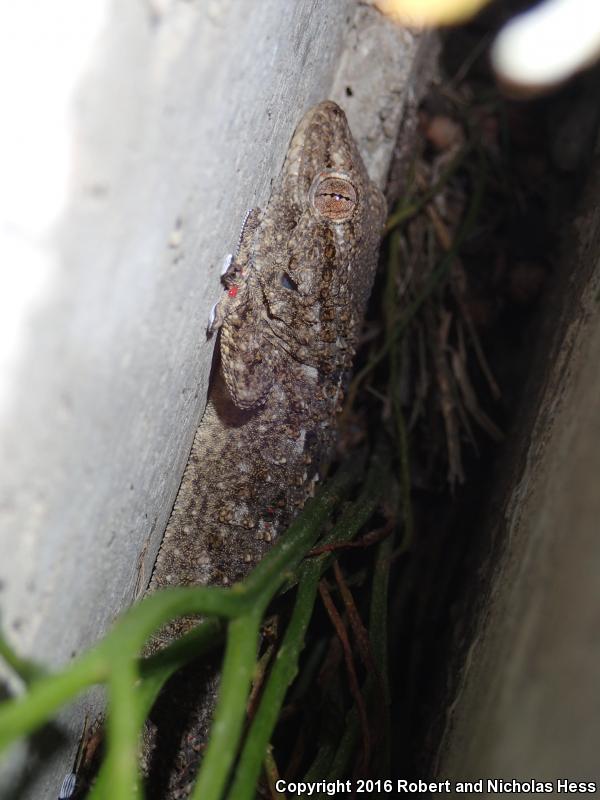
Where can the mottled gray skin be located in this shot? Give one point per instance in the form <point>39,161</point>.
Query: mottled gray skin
<point>288,327</point>
<point>303,274</point>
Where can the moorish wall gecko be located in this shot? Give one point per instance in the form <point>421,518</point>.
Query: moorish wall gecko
<point>288,326</point>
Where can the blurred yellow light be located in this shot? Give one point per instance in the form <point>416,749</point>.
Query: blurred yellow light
<point>430,12</point>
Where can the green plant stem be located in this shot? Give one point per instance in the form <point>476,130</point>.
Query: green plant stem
<point>282,674</point>
<point>28,671</point>
<point>123,729</point>
<point>303,685</point>
<point>240,656</point>
<point>332,762</point>
<point>378,634</point>
<point>114,659</point>
<point>357,513</point>
<point>346,747</point>
<point>378,616</point>
<point>238,666</point>
<point>286,664</point>
<point>156,669</point>
<point>44,697</point>
<point>22,715</point>
<point>154,672</point>
<point>279,564</point>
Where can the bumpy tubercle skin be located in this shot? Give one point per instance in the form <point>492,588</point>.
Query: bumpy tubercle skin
<point>289,324</point>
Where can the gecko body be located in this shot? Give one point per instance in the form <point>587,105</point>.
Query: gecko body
<point>288,327</point>
<point>288,324</point>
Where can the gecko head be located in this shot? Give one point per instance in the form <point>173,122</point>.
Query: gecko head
<point>322,147</point>
<point>309,264</point>
<point>321,249</point>
<point>328,191</point>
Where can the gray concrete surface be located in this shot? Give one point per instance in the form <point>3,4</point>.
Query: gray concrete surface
<point>176,120</point>
<point>528,699</point>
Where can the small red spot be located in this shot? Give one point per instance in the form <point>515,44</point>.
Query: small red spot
<point>270,510</point>
<point>233,290</point>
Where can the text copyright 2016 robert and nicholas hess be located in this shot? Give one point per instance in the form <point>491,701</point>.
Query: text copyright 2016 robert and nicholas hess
<point>401,786</point>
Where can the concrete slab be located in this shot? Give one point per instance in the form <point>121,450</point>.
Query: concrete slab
<point>137,136</point>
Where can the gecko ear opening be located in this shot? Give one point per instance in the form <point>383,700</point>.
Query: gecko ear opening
<point>288,282</point>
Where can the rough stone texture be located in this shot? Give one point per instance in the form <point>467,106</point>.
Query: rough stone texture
<point>383,73</point>
<point>176,117</point>
<point>528,704</point>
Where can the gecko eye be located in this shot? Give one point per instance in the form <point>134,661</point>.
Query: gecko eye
<point>288,283</point>
<point>334,196</point>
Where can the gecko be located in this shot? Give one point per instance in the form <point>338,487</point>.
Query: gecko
<point>287,327</point>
